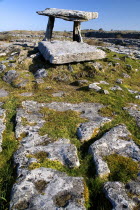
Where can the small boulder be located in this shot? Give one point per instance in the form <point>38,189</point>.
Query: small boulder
<point>3,93</point>
<point>2,68</point>
<point>95,87</point>
<point>9,76</point>
<point>119,81</point>
<point>41,73</point>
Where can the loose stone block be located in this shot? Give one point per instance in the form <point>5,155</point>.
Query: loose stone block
<point>60,52</point>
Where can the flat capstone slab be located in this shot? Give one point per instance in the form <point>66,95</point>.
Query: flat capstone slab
<point>70,15</point>
<point>60,52</point>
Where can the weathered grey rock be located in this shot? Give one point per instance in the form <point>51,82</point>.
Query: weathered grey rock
<point>59,94</point>
<point>10,75</point>
<point>126,75</point>
<point>61,150</point>
<point>40,73</point>
<point>115,192</point>
<point>134,111</point>
<point>95,87</point>
<point>106,92</point>
<point>26,94</point>
<point>133,91</point>
<point>116,87</point>
<point>133,187</point>
<point>22,83</point>
<point>12,65</point>
<point>137,97</point>
<point>2,68</point>
<point>70,15</point>
<point>39,81</point>
<point>113,142</point>
<point>104,82</point>
<point>47,189</point>
<point>88,110</point>
<point>29,120</point>
<point>59,52</point>
<point>119,81</point>
<point>2,124</point>
<point>3,93</point>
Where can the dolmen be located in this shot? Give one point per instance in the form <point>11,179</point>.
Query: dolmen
<point>61,52</point>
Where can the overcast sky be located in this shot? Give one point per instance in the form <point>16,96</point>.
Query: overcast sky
<point>113,14</point>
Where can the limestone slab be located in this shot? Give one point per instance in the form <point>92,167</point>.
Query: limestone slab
<point>60,52</point>
<point>70,15</point>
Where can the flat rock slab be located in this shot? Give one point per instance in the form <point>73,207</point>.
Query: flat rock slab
<point>48,189</point>
<point>60,52</point>
<point>70,15</point>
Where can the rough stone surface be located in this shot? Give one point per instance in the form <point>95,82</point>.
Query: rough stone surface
<point>59,94</point>
<point>119,81</point>
<point>133,188</point>
<point>113,143</point>
<point>70,15</point>
<point>95,87</point>
<point>10,76</point>
<point>2,68</point>
<point>89,111</point>
<point>3,93</point>
<point>48,189</point>
<point>115,192</point>
<point>116,87</point>
<point>134,111</point>
<point>2,123</point>
<point>29,124</point>
<point>60,52</point>
<point>40,73</point>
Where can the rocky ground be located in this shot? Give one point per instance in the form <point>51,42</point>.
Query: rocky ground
<point>69,134</point>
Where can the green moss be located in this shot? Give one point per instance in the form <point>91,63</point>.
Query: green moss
<point>122,168</point>
<point>9,145</point>
<point>60,124</point>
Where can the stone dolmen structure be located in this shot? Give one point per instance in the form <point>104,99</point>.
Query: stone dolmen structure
<point>60,52</point>
<point>70,15</point>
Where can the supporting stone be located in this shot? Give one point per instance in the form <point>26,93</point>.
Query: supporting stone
<point>77,32</point>
<point>49,29</point>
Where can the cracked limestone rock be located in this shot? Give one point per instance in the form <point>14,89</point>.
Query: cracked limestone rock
<point>61,150</point>
<point>46,189</point>
<point>29,120</point>
<point>2,124</point>
<point>86,130</point>
<point>113,142</point>
<point>134,111</point>
<point>115,192</point>
<point>60,52</point>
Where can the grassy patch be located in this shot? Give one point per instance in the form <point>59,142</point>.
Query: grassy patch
<point>61,124</point>
<point>7,172</point>
<point>122,168</point>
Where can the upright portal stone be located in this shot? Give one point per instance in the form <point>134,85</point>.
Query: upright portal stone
<point>70,15</point>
